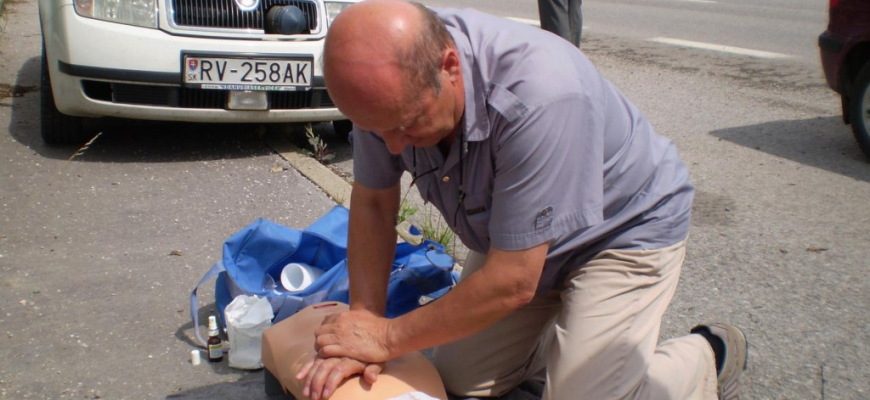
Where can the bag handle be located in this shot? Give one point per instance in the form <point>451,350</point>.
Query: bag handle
<point>216,269</point>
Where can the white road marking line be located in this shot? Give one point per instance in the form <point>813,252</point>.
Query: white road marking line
<point>720,48</point>
<point>533,22</point>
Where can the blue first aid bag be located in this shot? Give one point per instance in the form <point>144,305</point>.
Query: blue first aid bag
<point>254,257</point>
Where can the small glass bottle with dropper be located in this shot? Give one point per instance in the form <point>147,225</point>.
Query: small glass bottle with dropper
<point>215,347</point>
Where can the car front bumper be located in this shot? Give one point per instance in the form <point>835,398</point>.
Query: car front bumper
<point>100,68</point>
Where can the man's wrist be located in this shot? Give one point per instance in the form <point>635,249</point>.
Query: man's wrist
<point>392,340</point>
<point>376,307</point>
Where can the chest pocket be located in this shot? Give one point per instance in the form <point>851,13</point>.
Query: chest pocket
<point>476,210</point>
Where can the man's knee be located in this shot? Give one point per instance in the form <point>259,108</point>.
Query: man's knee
<point>466,378</point>
<point>452,370</point>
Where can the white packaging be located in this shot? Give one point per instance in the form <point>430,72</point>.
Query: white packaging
<point>247,318</point>
<point>296,277</point>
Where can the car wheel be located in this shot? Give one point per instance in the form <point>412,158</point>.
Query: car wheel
<point>860,112</point>
<point>342,128</point>
<point>57,128</point>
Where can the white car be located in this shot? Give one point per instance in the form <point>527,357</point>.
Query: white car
<point>220,61</point>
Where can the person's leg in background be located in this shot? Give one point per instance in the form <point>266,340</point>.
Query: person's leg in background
<point>575,19</point>
<point>562,17</point>
<point>607,333</point>
<point>554,17</point>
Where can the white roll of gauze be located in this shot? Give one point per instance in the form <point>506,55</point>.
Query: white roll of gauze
<point>296,276</point>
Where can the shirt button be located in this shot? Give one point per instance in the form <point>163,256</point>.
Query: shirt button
<point>445,179</point>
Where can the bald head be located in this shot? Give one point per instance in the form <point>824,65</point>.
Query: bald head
<point>383,51</point>
<point>372,31</point>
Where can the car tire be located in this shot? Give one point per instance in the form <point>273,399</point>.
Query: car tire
<point>860,112</point>
<point>342,128</point>
<point>57,128</point>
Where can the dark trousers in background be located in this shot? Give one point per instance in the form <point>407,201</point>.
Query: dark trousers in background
<point>562,17</point>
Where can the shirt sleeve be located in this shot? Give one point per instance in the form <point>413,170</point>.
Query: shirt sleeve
<point>549,178</point>
<point>373,165</point>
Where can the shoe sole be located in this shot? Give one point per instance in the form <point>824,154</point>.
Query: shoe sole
<point>736,348</point>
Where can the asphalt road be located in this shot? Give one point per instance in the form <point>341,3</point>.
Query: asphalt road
<point>789,27</point>
<point>93,303</point>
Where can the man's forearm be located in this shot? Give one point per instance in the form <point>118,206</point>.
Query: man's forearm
<point>506,282</point>
<point>371,247</point>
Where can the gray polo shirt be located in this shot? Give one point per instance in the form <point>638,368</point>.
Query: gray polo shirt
<point>551,152</point>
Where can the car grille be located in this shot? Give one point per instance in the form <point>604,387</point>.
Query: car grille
<point>225,14</point>
<point>180,97</point>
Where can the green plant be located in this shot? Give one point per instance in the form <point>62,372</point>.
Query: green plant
<point>437,231</point>
<point>318,146</point>
<point>406,211</point>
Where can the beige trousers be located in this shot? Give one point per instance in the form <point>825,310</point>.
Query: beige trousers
<point>595,340</point>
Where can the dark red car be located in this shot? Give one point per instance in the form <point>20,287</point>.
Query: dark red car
<point>845,50</point>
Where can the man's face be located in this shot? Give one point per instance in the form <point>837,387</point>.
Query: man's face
<point>423,120</point>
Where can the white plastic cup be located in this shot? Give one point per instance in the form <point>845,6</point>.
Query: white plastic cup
<point>195,357</point>
<point>296,276</point>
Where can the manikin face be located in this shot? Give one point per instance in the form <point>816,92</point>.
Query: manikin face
<point>423,120</point>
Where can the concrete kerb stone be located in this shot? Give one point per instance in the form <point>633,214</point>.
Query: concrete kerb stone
<point>334,186</point>
<point>2,17</point>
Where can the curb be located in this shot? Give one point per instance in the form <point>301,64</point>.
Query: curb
<point>334,186</point>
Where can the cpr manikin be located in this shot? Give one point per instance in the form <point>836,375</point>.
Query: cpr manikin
<point>289,344</point>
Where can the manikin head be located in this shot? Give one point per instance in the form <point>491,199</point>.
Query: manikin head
<point>392,68</point>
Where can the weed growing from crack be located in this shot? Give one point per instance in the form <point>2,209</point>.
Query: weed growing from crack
<point>436,229</point>
<point>318,146</point>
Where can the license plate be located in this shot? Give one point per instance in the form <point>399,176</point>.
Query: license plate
<point>247,73</point>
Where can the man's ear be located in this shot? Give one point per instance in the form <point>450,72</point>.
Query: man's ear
<point>450,64</point>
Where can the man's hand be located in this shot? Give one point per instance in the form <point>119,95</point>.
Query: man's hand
<point>322,376</point>
<point>358,334</point>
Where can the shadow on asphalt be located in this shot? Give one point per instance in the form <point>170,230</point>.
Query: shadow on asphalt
<point>251,386</point>
<point>823,142</point>
<point>124,141</point>
<point>185,332</point>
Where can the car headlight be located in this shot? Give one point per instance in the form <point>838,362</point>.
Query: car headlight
<point>130,12</point>
<point>332,10</point>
